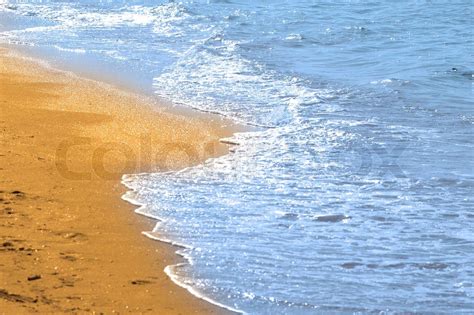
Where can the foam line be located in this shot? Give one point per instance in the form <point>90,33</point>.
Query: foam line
<point>129,197</point>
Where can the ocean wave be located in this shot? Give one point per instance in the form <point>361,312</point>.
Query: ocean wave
<point>201,77</point>
<point>70,15</point>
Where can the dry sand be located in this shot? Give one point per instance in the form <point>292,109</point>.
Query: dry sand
<point>68,243</point>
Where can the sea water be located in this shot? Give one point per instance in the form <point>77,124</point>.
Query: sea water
<point>353,194</point>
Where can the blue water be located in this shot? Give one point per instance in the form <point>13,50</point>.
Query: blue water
<point>353,195</point>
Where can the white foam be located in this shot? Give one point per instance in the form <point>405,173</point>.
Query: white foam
<point>297,37</point>
<point>160,17</point>
<point>130,197</point>
<point>73,50</point>
<point>193,291</point>
<point>201,79</point>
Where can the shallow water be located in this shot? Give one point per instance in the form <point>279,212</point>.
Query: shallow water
<point>355,193</point>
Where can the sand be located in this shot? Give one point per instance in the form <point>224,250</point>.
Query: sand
<point>68,243</point>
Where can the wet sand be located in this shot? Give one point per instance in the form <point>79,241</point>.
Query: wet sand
<point>68,243</point>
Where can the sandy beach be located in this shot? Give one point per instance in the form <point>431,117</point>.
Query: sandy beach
<point>68,243</point>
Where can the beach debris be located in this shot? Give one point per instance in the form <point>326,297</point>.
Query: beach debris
<point>34,277</point>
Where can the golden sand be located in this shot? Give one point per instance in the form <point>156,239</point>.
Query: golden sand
<point>68,243</point>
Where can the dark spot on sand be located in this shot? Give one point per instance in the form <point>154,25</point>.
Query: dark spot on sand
<point>68,257</point>
<point>140,282</point>
<point>17,192</point>
<point>7,244</point>
<point>46,300</point>
<point>16,297</point>
<point>67,281</point>
<point>34,277</point>
<point>8,210</point>
<point>332,218</point>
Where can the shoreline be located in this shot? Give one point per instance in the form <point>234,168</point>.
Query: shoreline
<point>152,236</point>
<point>70,242</point>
